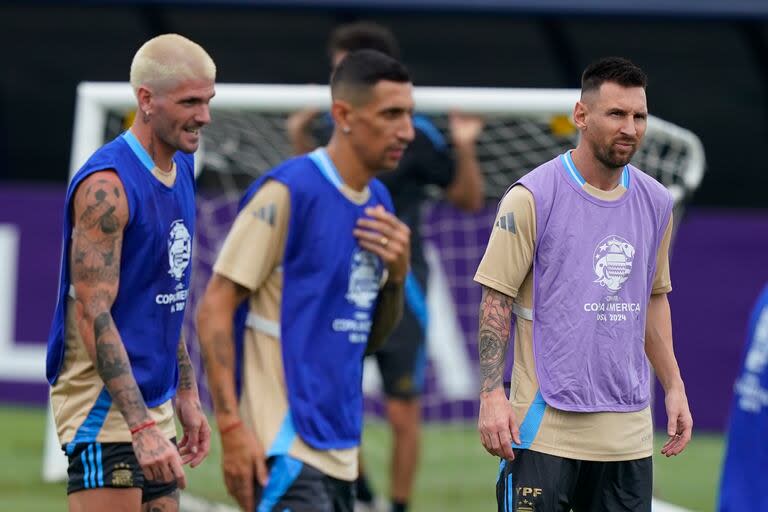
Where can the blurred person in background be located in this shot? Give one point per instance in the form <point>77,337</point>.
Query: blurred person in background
<point>116,355</point>
<point>321,259</point>
<point>579,254</point>
<point>428,161</point>
<point>746,453</point>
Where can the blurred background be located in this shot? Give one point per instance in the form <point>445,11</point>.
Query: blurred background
<point>707,63</point>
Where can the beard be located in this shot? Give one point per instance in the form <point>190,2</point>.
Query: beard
<point>609,157</point>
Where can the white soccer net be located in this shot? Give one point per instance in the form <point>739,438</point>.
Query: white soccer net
<point>524,128</point>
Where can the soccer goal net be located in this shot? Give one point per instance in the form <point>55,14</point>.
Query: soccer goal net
<point>524,127</point>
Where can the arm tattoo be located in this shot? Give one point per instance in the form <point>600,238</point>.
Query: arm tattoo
<point>97,237</point>
<point>389,311</point>
<point>114,368</point>
<point>495,319</point>
<point>186,371</point>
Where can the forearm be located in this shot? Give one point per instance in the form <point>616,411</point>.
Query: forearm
<point>467,189</point>
<point>216,337</point>
<point>495,321</point>
<point>187,381</point>
<point>658,343</point>
<point>389,312</point>
<point>113,366</point>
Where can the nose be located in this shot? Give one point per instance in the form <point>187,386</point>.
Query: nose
<point>203,115</point>
<point>629,126</point>
<point>406,132</point>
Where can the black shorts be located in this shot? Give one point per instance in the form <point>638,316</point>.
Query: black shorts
<point>403,358</point>
<point>541,482</point>
<point>299,487</point>
<point>111,465</point>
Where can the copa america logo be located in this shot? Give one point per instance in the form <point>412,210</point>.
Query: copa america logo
<point>364,276</point>
<point>613,262</point>
<point>179,249</point>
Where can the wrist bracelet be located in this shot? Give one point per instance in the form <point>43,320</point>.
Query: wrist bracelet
<point>143,426</point>
<point>230,427</point>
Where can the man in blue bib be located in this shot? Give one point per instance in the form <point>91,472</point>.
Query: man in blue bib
<point>579,254</point>
<point>321,259</point>
<point>746,454</point>
<point>431,162</point>
<point>116,356</point>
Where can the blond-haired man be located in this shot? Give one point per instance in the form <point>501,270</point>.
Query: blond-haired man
<point>116,356</point>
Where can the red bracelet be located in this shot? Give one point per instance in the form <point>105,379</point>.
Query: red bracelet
<point>230,428</point>
<point>143,426</point>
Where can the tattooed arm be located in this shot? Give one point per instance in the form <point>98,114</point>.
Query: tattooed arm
<point>497,423</point>
<point>196,442</point>
<point>100,214</point>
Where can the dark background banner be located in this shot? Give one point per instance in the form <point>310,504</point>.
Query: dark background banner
<point>709,74</point>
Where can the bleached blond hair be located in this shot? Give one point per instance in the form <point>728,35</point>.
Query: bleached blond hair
<point>166,60</point>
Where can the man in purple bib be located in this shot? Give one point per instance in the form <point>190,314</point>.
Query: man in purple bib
<point>579,254</point>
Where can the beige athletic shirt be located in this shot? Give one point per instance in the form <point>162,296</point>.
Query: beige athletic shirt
<point>251,257</point>
<point>507,268</point>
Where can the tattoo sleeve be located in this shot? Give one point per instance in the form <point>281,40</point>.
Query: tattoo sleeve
<point>495,320</point>
<point>100,213</point>
<point>389,312</point>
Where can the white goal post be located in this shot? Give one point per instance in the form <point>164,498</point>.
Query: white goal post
<point>94,99</point>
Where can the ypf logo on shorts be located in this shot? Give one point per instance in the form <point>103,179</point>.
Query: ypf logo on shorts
<point>612,262</point>
<point>179,249</point>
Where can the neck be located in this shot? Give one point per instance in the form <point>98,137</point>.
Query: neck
<point>593,171</point>
<point>353,172</point>
<point>160,153</point>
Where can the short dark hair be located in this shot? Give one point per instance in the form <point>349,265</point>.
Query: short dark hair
<point>363,69</point>
<point>612,69</point>
<point>363,35</point>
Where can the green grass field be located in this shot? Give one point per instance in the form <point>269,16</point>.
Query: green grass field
<point>456,473</point>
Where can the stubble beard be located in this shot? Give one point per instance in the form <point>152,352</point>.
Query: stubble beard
<point>611,159</point>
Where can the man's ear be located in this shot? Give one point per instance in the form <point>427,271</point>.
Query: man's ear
<point>144,97</point>
<point>343,114</point>
<point>580,113</point>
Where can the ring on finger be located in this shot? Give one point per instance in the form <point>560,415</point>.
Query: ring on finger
<point>384,241</point>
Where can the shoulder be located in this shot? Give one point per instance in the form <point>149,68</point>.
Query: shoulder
<point>99,196</point>
<point>293,170</point>
<point>548,169</point>
<point>516,196</point>
<point>543,178</point>
<point>271,192</point>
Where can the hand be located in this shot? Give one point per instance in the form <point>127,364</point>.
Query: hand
<point>242,457</point>
<point>465,128</point>
<point>158,457</point>
<point>196,443</point>
<point>679,422</point>
<point>298,122</point>
<point>386,236</point>
<point>497,424</point>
